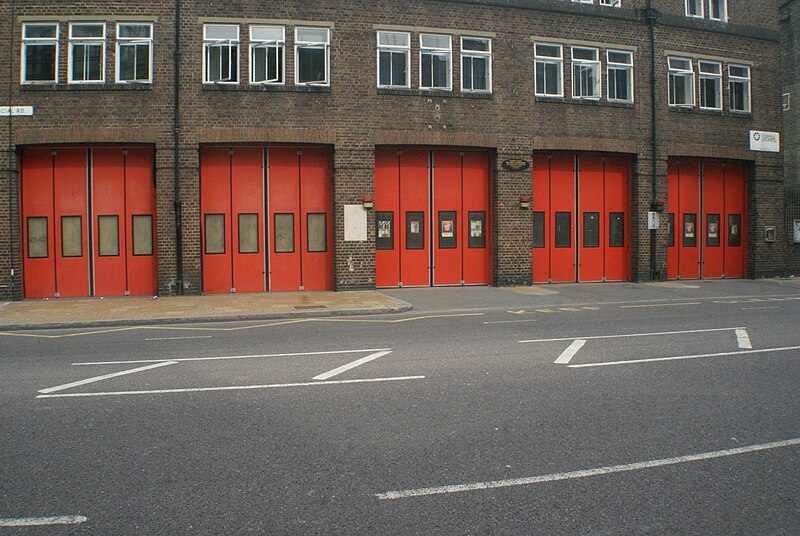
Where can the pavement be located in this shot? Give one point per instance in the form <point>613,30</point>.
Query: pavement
<point>98,312</point>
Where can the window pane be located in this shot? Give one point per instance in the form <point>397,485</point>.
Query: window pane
<point>265,33</point>
<point>143,234</point>
<point>399,69</point>
<point>248,233</point>
<point>385,68</point>
<point>108,236</point>
<point>427,71</point>
<point>37,237</point>
<point>734,230</point>
<point>312,35</point>
<point>475,44</point>
<point>553,51</point>
<point>435,41</point>
<point>384,230</point>
<point>71,236</point>
<point>690,230</point>
<point>215,234</point>
<point>466,73</point>
<point>140,31</point>
<point>284,233</point>
<point>317,232</point>
<point>477,229</point>
<point>127,62</point>
<point>563,229</point>
<point>591,229</point>
<point>222,32</point>
<point>40,63</point>
<point>552,78</point>
<point>95,62</point>
<point>619,57</point>
<point>479,73</point>
<point>538,229</point>
<point>671,230</point>
<point>393,39</point>
<point>40,31</point>
<point>712,230</point>
<point>440,71</point>
<point>448,236</point>
<point>86,30</point>
<point>311,65</point>
<point>415,230</point>
<point>616,229</point>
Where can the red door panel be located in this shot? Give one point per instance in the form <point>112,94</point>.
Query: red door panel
<point>541,219</point>
<point>688,219</point>
<point>38,268</point>
<point>709,233</point>
<point>316,220</point>
<point>247,202</point>
<point>71,221</point>
<point>387,206</point>
<point>108,218</point>
<point>617,214</point>
<point>140,204</point>
<point>562,218</point>
<point>215,222</point>
<point>447,199</point>
<point>734,223</point>
<point>283,200</point>
<point>414,225</point>
<point>592,220</point>
<point>475,235</point>
<point>673,248</point>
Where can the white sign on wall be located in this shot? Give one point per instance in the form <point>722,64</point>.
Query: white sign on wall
<point>355,223</point>
<point>5,111</point>
<point>761,140</point>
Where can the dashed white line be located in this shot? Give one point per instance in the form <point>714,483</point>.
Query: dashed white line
<point>743,339</point>
<point>567,355</point>
<point>217,358</point>
<point>105,377</point>
<point>626,335</point>
<point>179,338</point>
<point>352,365</point>
<point>555,477</point>
<point>39,521</point>
<point>682,357</point>
<point>510,321</point>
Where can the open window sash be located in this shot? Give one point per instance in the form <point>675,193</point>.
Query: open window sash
<point>316,46</point>
<point>269,47</point>
<point>218,47</point>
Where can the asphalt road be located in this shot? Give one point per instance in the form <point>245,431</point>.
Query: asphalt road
<point>480,412</point>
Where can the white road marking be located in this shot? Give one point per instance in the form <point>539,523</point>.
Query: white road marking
<point>105,377</point>
<point>510,321</point>
<point>567,355</point>
<point>759,308</point>
<point>179,338</point>
<point>180,360</point>
<point>348,366</point>
<point>682,357</point>
<point>555,477</point>
<point>38,521</point>
<point>233,387</point>
<point>743,339</point>
<point>632,335</point>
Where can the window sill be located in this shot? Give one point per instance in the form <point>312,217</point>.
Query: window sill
<point>266,88</point>
<point>434,93</point>
<point>585,102</point>
<point>86,87</point>
<point>711,113</point>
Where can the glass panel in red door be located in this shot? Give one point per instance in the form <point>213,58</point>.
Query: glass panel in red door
<point>246,219</point>
<point>476,243</point>
<point>590,206</point>
<point>616,241</point>
<point>215,220</point>
<point>412,226</point>
<point>283,200</point>
<point>38,263</point>
<point>71,221</point>
<point>734,222</point>
<point>447,198</point>
<point>316,218</point>
<point>387,218</point>
<point>140,222</point>
<point>713,203</point>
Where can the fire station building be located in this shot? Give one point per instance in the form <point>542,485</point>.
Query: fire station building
<point>169,147</point>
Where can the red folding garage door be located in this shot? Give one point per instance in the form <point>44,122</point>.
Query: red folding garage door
<point>706,218</point>
<point>266,219</point>
<point>431,216</point>
<point>88,222</point>
<point>580,214</point>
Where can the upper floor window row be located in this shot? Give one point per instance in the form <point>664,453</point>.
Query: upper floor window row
<point>435,62</point>
<point>267,54</point>
<point>86,53</point>
<point>717,9</point>
<point>709,85</point>
<point>609,3</point>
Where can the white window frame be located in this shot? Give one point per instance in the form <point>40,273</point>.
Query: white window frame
<point>700,6</point>
<point>38,41</point>
<point>710,70</point>
<point>88,42</point>
<point>611,3</point>
<point>746,81</point>
<point>682,72</point>
<point>594,66</point>
<point>447,52</point>
<point>324,45</point>
<point>213,42</point>
<point>582,1</point>
<point>280,55</point>
<point>617,66</point>
<point>394,49</point>
<point>723,10</point>
<point>487,54</point>
<point>545,60</point>
<point>129,41</point>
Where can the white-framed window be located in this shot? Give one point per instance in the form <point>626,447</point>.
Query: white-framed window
<point>134,52</point>
<point>739,86</point>
<point>710,85</point>
<point>718,10</point>
<point>312,48</point>
<point>585,73</point>
<point>694,8</point>
<point>681,82</point>
<point>87,53</point>
<point>436,61</point>
<point>476,64</point>
<point>267,54</point>
<point>394,59</point>
<point>221,54</point>
<point>582,1</point>
<point>39,63</point>
<point>549,67</point>
<point>619,65</point>
<point>611,3</point>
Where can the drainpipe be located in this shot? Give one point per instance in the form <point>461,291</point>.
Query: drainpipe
<point>651,17</point>
<point>176,139</point>
<point>10,170</point>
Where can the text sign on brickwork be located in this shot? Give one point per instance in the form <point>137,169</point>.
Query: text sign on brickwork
<point>5,111</point>
<point>765,141</point>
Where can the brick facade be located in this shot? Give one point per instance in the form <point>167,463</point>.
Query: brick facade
<point>353,116</point>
